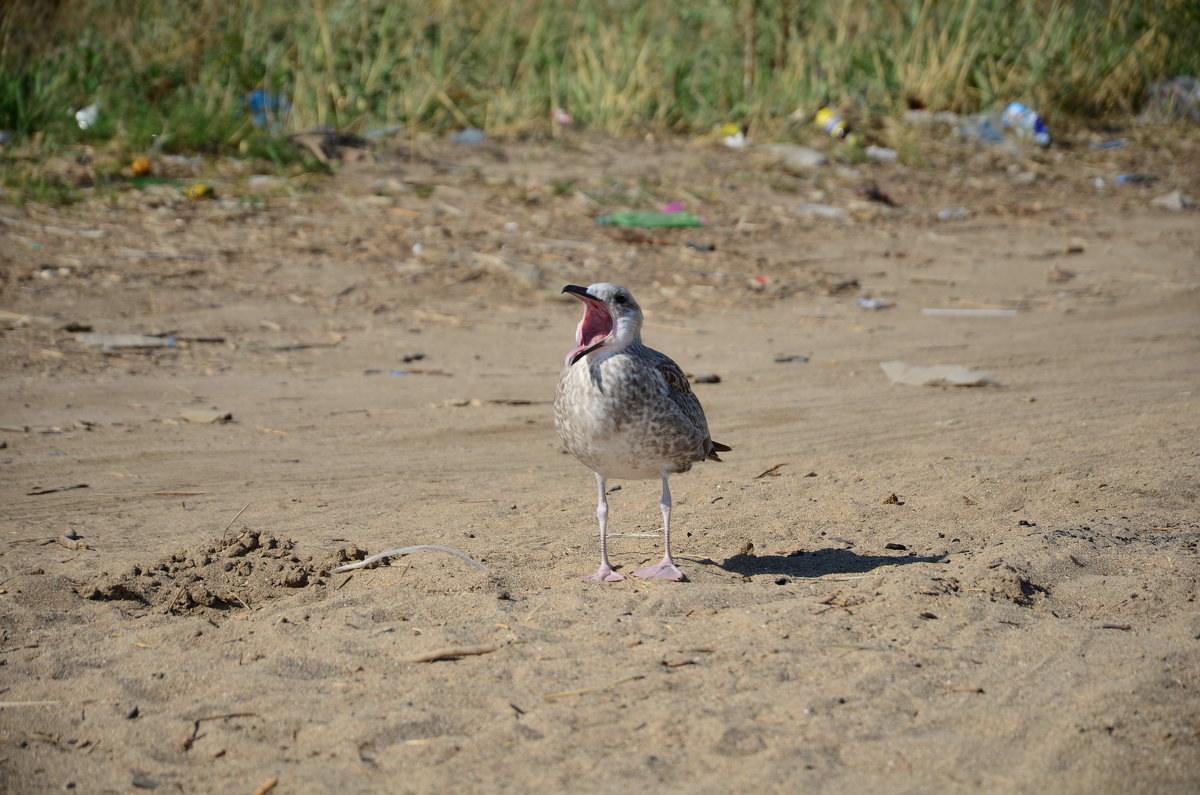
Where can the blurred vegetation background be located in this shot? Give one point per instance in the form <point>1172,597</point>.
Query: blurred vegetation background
<point>180,71</point>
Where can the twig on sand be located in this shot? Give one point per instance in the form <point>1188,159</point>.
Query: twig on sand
<point>449,653</point>
<point>235,595</point>
<point>227,715</point>
<point>234,519</point>
<point>771,471</point>
<point>53,489</point>
<point>585,690</point>
<point>267,786</point>
<point>407,551</point>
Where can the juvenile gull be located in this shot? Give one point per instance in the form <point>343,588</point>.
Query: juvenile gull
<point>627,411</point>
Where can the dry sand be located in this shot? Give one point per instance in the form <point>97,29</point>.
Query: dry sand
<point>892,588</point>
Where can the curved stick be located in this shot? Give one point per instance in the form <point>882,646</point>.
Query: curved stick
<point>406,551</point>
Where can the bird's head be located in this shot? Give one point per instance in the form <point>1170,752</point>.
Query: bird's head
<point>612,320</point>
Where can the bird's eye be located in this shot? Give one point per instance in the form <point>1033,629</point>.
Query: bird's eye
<point>620,299</point>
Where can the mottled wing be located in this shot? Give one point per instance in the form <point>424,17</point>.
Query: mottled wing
<point>676,381</point>
<point>679,391</point>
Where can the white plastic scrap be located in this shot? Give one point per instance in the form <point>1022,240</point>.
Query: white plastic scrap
<point>937,375</point>
<point>87,116</point>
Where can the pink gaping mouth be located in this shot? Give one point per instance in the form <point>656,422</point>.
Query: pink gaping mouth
<point>595,328</point>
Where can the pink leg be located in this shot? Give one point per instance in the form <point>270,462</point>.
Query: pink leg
<point>665,569</point>
<point>605,573</point>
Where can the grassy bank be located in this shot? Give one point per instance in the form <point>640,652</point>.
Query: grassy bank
<point>185,67</point>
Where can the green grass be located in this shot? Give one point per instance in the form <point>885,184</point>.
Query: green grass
<point>174,74</point>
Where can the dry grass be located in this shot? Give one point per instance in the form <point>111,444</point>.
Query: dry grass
<point>178,71</point>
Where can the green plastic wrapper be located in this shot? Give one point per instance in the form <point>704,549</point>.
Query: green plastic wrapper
<point>650,220</point>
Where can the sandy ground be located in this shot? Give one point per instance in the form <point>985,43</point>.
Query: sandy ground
<point>892,588</point>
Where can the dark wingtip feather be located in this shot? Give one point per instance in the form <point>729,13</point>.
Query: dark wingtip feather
<point>716,447</point>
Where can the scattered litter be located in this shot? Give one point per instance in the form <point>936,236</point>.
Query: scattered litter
<point>981,128</point>
<point>52,489</point>
<point>1171,100</point>
<point>205,416</point>
<point>471,136</point>
<point>937,375</point>
<point>561,117</point>
<point>650,220</point>
<point>785,359</point>
<point>831,123</point>
<point>1135,179</point>
<point>140,167</point>
<point>265,182</point>
<point>734,136</point>
<point>953,214</point>
<point>407,551</point>
<point>1025,123</point>
<point>87,117</point>
<point>706,247</point>
<point>267,111</point>
<point>198,191</point>
<point>797,157</point>
<point>1102,145</point>
<point>819,210</point>
<point>412,371</point>
<point>111,342</point>
<point>71,540</point>
<point>881,154</point>
<point>950,312</point>
<point>874,304</point>
<point>919,117</point>
<point>705,378</point>
<point>1175,200</point>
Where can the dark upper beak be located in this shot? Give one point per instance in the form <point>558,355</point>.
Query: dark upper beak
<point>575,289</point>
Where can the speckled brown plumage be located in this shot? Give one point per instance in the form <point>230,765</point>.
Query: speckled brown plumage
<point>627,411</point>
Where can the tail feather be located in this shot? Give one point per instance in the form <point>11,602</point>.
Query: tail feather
<point>714,448</point>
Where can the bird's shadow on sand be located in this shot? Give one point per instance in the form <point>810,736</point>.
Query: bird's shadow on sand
<point>818,563</point>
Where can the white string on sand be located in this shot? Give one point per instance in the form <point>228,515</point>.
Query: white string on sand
<point>408,551</point>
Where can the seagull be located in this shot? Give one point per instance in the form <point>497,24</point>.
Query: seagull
<point>627,412</point>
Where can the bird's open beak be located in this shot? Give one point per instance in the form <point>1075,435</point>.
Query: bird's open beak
<point>595,328</point>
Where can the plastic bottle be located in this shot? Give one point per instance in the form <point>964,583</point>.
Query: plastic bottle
<point>833,124</point>
<point>1025,122</point>
<point>981,128</point>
